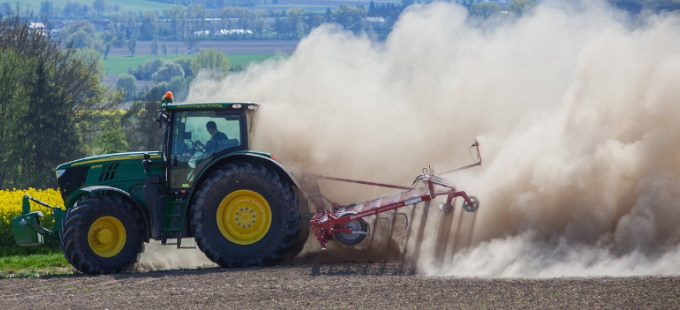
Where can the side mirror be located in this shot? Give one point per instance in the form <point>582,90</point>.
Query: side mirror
<point>161,118</point>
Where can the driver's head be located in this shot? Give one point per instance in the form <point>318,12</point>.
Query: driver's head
<point>211,126</point>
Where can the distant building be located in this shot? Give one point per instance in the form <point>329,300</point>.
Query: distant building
<point>36,25</point>
<point>233,31</point>
<point>375,19</point>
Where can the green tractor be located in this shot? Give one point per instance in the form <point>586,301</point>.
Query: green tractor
<point>241,206</point>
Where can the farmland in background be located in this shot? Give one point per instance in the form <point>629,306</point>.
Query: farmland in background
<point>126,5</point>
<point>240,53</point>
<point>120,64</point>
<point>146,5</point>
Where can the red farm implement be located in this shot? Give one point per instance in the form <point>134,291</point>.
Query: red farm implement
<point>347,224</point>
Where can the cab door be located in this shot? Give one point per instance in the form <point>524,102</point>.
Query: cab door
<point>194,145</point>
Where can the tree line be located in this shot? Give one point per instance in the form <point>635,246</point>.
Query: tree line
<point>55,108</point>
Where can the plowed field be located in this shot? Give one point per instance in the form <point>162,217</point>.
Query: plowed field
<point>331,286</point>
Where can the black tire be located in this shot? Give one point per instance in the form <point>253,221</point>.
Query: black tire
<point>62,244</point>
<point>78,227</point>
<point>353,238</point>
<point>270,245</point>
<point>304,226</point>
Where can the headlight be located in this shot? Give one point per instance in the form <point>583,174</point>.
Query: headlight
<point>60,172</point>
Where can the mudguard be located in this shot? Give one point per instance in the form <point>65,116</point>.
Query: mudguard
<point>81,192</point>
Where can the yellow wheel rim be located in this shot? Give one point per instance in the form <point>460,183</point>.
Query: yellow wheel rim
<point>244,217</point>
<point>106,236</point>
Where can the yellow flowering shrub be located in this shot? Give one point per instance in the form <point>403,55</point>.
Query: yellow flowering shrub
<point>10,200</point>
<point>10,206</point>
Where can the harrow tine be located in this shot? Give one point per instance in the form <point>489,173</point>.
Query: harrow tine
<point>408,238</point>
<point>472,229</point>
<point>456,237</point>
<point>405,218</point>
<point>389,230</point>
<point>459,243</point>
<point>373,233</point>
<point>390,233</point>
<point>419,238</point>
<point>442,237</point>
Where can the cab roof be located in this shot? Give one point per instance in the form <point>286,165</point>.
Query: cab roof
<point>211,105</point>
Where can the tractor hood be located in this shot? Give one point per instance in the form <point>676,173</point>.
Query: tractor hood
<point>121,170</point>
<point>107,158</point>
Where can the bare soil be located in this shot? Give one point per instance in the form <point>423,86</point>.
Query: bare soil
<point>347,285</point>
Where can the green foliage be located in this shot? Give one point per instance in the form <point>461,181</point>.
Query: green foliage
<point>154,47</point>
<point>185,62</point>
<point>144,133</point>
<point>128,84</point>
<point>293,21</point>
<point>179,87</point>
<point>132,46</point>
<point>351,17</point>
<point>79,34</point>
<point>484,9</point>
<point>149,28</point>
<point>99,5</point>
<point>46,8</point>
<point>167,72</point>
<point>50,98</point>
<point>148,69</point>
<point>519,7</point>
<point>90,57</point>
<point>177,83</point>
<point>112,140</point>
<point>665,5</point>
<point>211,60</point>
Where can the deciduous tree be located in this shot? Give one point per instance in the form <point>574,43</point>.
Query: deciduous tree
<point>128,84</point>
<point>211,60</point>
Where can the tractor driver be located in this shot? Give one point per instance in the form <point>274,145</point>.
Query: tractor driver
<point>218,139</point>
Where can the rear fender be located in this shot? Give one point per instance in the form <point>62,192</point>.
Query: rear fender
<point>249,157</point>
<point>244,157</point>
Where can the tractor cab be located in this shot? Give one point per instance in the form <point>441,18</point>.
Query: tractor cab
<point>196,137</point>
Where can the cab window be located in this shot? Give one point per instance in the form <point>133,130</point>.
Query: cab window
<point>197,136</point>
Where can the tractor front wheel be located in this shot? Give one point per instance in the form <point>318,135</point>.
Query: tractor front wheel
<point>245,215</point>
<point>101,235</point>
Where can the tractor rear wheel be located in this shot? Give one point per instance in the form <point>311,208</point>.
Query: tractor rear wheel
<point>245,215</point>
<point>101,235</point>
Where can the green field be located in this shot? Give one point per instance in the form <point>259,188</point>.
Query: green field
<point>34,265</point>
<point>119,64</point>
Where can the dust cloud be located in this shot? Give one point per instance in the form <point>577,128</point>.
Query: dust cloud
<point>575,106</point>
<point>165,257</point>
